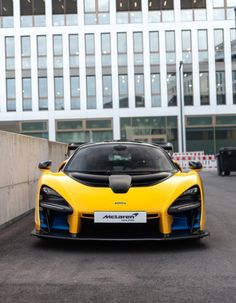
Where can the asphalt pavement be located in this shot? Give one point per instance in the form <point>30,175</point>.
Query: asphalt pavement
<point>34,270</point>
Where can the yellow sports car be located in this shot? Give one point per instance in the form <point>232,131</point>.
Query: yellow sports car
<point>120,191</point>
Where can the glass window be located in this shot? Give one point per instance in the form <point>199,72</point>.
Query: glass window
<point>161,10</point>
<point>202,40</point>
<point>233,45</point>
<point>199,120</point>
<point>26,94</point>
<point>91,92</point>
<point>138,48</point>
<point>234,86</point>
<point>154,48</point>
<point>96,11</point>
<point>25,52</point>
<point>10,53</point>
<point>170,47</point>
<point>200,138</point>
<point>223,120</point>
<point>139,90</point>
<point>75,92</point>
<point>74,50</point>
<point>69,124</point>
<point>220,87</point>
<point>64,12</point>
<point>6,13</point>
<point>171,89</point>
<point>219,45</point>
<point>42,52</point>
<point>32,13</point>
<point>188,89</point>
<point>106,49</point>
<point>186,47</point>
<point>98,124</point>
<point>129,11</point>
<point>59,93</point>
<point>122,49</point>
<point>155,90</point>
<point>43,93</point>
<point>203,47</point>
<point>204,88</point>
<point>64,7</point>
<point>170,41</point>
<point>6,8</point>
<point>107,91</point>
<point>224,9</point>
<point>123,91</point>
<point>90,50</point>
<point>196,4</point>
<point>108,158</point>
<point>11,94</point>
<point>193,10</point>
<point>57,51</point>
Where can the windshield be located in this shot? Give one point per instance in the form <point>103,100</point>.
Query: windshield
<point>119,158</point>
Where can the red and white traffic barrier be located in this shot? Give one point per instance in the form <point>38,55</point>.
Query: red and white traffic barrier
<point>208,161</point>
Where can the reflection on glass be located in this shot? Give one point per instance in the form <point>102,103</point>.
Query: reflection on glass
<point>139,90</point>
<point>219,45</point>
<point>75,92</point>
<point>26,94</point>
<point>96,12</point>
<point>91,92</point>
<point>122,49</point>
<point>10,53</point>
<point>106,49</point>
<point>220,87</point>
<point>57,51</point>
<point>156,90</point>
<point>42,52</point>
<point>74,50</point>
<point>171,89</point>
<point>43,93</point>
<point>107,91</point>
<point>25,52</point>
<point>188,89</point>
<point>11,94</point>
<point>59,93</point>
<point>123,91</point>
<point>138,48</point>
<point>204,88</point>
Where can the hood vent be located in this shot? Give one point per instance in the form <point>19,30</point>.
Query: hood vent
<point>120,183</point>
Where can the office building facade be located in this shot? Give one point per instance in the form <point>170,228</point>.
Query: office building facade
<point>92,70</point>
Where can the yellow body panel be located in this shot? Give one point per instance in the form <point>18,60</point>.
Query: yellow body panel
<point>154,199</point>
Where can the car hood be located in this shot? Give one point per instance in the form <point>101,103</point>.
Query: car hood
<point>87,199</point>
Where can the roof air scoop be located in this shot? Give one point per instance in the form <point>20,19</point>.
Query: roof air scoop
<point>120,184</point>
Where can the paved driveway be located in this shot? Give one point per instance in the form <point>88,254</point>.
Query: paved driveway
<point>33,270</point>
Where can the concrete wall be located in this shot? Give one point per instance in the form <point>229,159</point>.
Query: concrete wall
<point>19,158</point>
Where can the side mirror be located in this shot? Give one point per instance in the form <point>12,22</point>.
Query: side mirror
<point>195,165</point>
<point>45,164</point>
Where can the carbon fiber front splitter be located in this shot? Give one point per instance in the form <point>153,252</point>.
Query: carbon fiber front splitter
<point>180,236</point>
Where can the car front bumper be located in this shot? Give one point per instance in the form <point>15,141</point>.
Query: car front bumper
<point>174,236</point>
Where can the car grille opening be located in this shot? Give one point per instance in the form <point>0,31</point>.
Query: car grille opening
<point>120,230</point>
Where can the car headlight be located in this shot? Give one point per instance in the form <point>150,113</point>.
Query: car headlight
<point>51,200</point>
<point>188,200</point>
